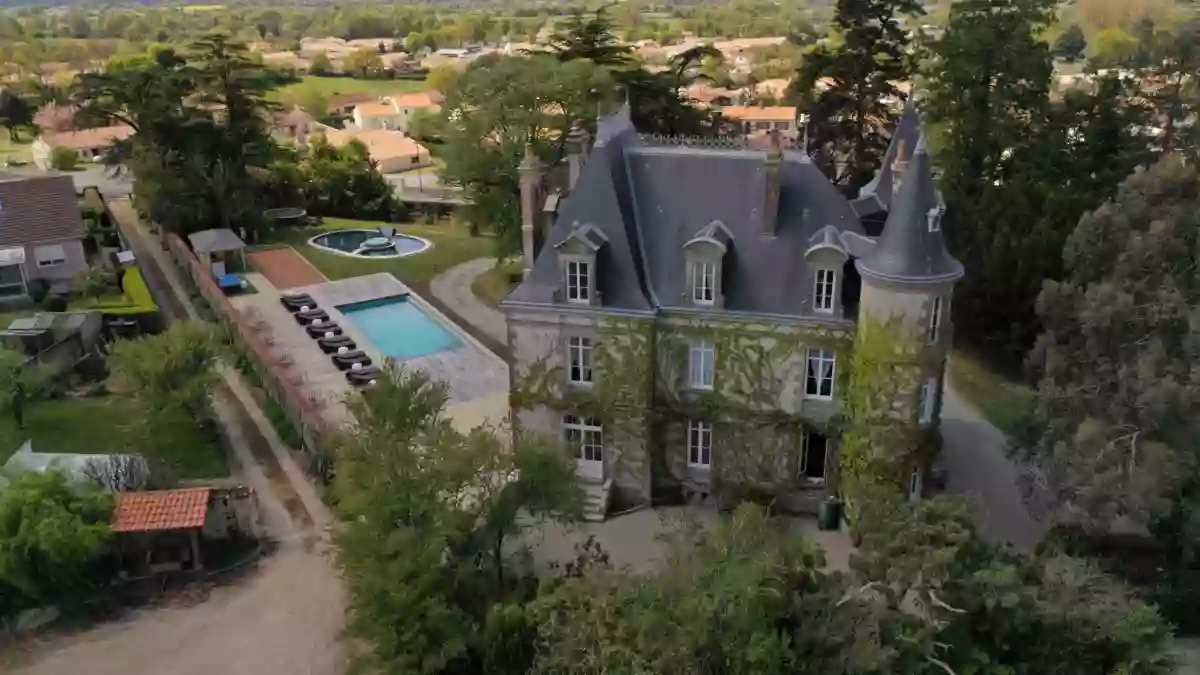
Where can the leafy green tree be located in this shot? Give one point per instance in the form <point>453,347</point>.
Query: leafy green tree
<point>320,64</point>
<point>493,112</point>
<point>171,371</point>
<point>413,42</point>
<point>21,384</point>
<point>331,181</point>
<point>1115,397</point>
<point>656,104</point>
<point>427,512</point>
<point>364,63</point>
<point>64,159</point>
<point>15,112</point>
<point>94,281</point>
<point>1112,47</point>
<point>1171,66</point>
<point>850,116</point>
<point>1071,44</point>
<point>50,531</point>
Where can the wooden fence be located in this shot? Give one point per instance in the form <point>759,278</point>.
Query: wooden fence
<point>278,378</point>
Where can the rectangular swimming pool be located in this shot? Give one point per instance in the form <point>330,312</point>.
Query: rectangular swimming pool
<point>399,328</point>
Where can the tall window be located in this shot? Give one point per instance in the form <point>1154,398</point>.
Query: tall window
<point>585,437</point>
<point>821,369</point>
<point>928,398</point>
<point>700,445</point>
<point>704,281</point>
<point>935,320</point>
<point>579,360</point>
<point>578,281</point>
<point>823,290</point>
<point>702,361</point>
<point>813,456</point>
<point>12,281</point>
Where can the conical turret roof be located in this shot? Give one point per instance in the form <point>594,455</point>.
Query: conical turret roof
<point>911,248</point>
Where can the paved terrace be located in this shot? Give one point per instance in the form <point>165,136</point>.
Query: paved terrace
<point>477,378</point>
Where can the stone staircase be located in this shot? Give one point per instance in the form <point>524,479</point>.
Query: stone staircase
<point>595,499</point>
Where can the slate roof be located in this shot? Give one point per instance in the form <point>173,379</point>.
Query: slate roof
<point>876,196</point>
<point>651,199</point>
<point>908,250</point>
<point>40,208</point>
<point>160,510</point>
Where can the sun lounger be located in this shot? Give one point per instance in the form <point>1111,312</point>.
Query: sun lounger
<point>319,330</point>
<point>293,303</point>
<point>363,376</point>
<point>346,360</point>
<point>332,344</point>
<point>311,315</point>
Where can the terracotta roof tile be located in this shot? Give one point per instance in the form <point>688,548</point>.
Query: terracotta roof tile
<point>160,510</point>
<point>38,208</point>
<point>87,139</point>
<point>381,143</point>
<point>760,113</point>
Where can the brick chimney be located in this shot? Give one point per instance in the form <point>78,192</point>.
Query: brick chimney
<point>577,151</point>
<point>530,171</point>
<point>772,177</point>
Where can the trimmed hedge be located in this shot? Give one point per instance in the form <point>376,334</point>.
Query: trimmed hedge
<point>137,299</point>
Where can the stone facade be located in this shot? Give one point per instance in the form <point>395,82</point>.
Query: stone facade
<point>702,382</point>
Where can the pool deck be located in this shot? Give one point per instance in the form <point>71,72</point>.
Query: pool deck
<point>477,378</point>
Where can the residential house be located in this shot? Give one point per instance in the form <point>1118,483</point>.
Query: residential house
<point>89,144</point>
<point>392,151</point>
<point>690,311</point>
<point>292,124</point>
<point>344,104</point>
<point>41,232</point>
<point>750,119</point>
<point>395,112</point>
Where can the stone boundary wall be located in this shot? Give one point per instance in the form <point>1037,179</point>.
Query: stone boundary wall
<point>277,378</point>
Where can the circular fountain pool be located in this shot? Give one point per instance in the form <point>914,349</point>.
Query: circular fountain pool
<point>369,244</point>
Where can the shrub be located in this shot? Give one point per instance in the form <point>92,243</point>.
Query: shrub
<point>64,159</point>
<point>54,303</point>
<point>37,289</point>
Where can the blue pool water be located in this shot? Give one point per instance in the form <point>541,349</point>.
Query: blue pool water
<point>399,328</point>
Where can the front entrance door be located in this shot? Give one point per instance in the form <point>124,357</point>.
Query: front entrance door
<point>585,440</point>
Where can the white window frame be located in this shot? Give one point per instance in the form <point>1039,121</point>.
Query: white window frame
<point>804,459</point>
<point>579,280</point>
<point>702,361</point>
<point>704,283</point>
<point>584,436</point>
<point>700,436</point>
<point>927,400</point>
<point>56,256</point>
<point>935,319</point>
<point>579,358</point>
<point>824,290</point>
<point>820,358</point>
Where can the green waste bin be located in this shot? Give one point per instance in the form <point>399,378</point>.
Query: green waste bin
<point>829,514</point>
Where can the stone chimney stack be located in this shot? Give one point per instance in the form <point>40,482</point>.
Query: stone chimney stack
<point>531,203</point>
<point>772,177</point>
<point>577,151</point>
<point>899,165</point>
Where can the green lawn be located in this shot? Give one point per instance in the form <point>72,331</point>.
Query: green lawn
<point>1004,402</point>
<point>452,245</point>
<point>495,284</point>
<point>15,151</point>
<point>329,86</point>
<point>102,425</point>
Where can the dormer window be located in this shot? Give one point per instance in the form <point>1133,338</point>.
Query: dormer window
<point>704,283</point>
<point>579,275</point>
<point>577,256</point>
<point>824,290</point>
<point>934,216</point>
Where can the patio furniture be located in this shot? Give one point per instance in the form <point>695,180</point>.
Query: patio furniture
<point>320,330</point>
<point>231,282</point>
<point>346,360</point>
<point>332,344</point>
<point>293,302</point>
<point>366,375</point>
<point>308,316</point>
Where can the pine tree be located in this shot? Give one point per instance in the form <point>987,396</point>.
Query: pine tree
<point>845,85</point>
